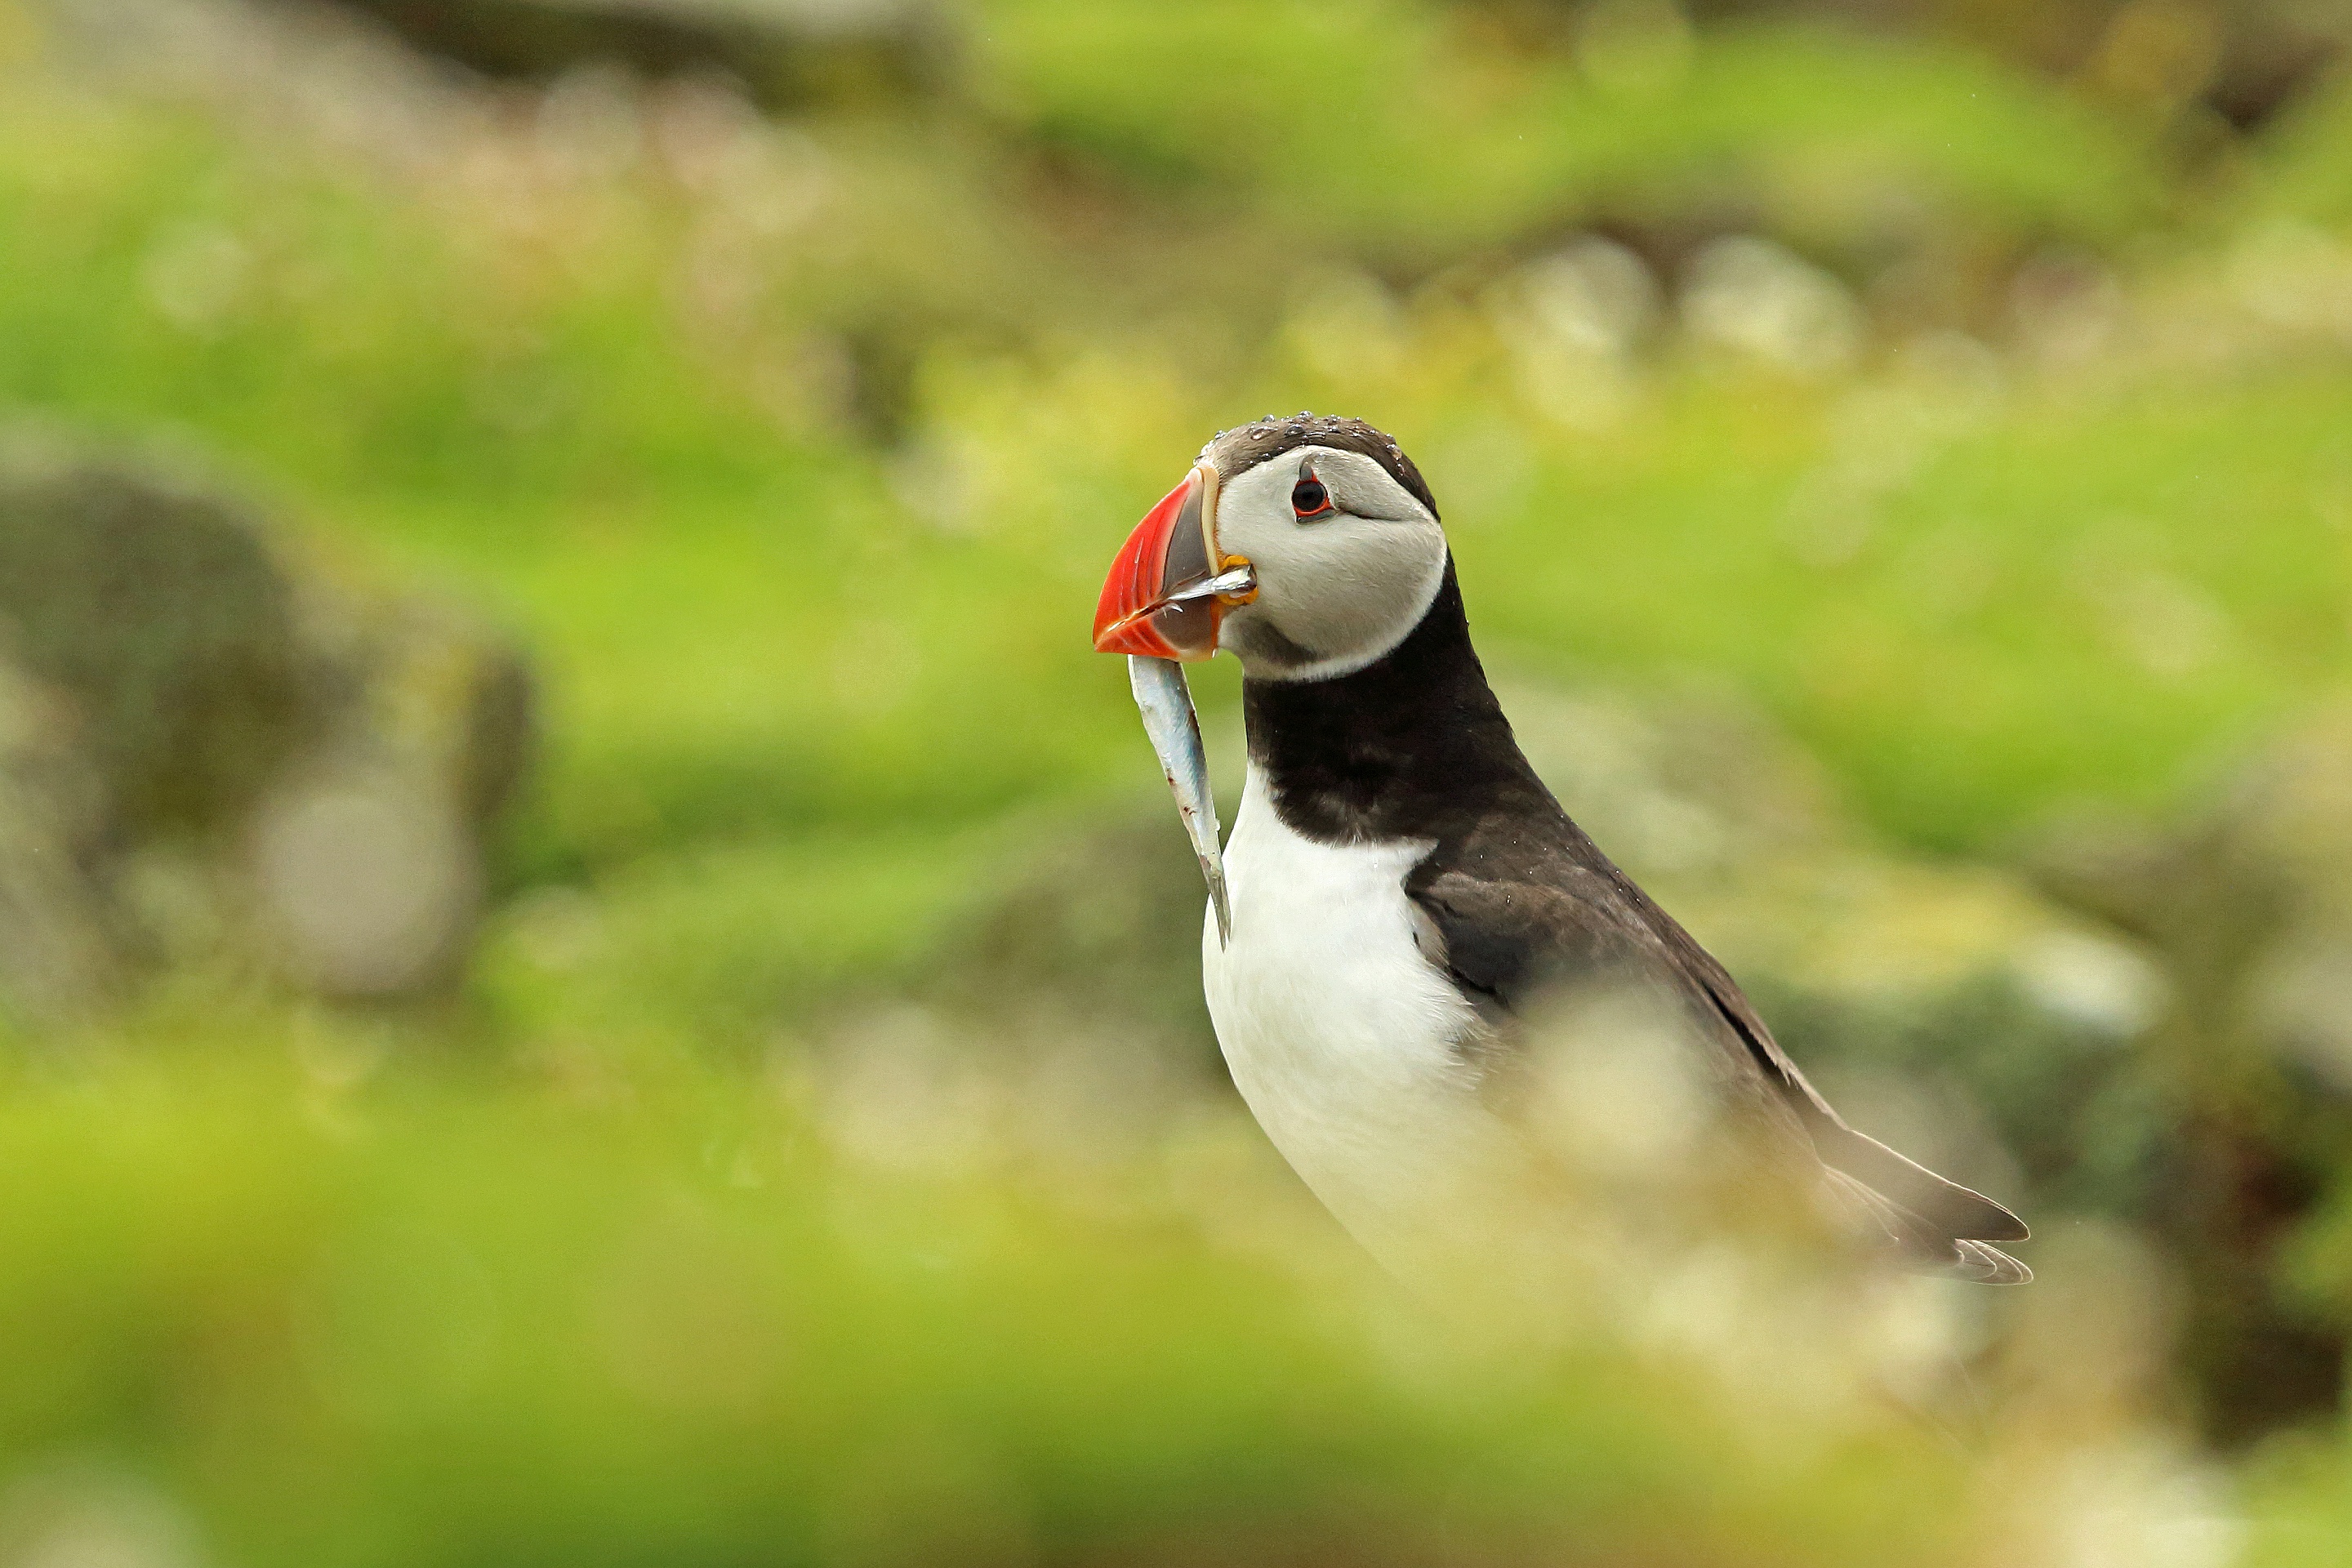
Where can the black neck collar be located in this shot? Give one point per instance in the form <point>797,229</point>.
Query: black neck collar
<point>1413,745</point>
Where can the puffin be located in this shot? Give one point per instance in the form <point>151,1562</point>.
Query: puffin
<point>1402,903</point>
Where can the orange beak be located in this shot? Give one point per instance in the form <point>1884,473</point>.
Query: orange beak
<point>1170,589</point>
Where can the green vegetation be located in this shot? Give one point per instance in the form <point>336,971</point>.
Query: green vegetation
<point>795,451</point>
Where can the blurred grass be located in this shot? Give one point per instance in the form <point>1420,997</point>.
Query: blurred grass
<point>345,1312</point>
<point>555,436</point>
<point>1415,131</point>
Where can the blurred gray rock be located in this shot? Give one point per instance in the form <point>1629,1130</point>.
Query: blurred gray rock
<point>2248,897</point>
<point>214,745</point>
<point>57,937</point>
<point>2246,900</point>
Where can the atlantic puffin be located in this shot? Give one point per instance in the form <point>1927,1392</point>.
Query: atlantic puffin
<point>1401,894</point>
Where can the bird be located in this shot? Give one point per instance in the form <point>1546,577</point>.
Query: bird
<point>1406,895</point>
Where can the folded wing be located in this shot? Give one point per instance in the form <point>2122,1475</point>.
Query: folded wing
<point>1562,916</point>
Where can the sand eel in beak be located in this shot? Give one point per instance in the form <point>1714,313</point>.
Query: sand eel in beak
<point>1401,893</point>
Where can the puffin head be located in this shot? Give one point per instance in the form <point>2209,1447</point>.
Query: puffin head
<point>1307,546</point>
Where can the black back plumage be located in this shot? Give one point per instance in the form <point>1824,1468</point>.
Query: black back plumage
<point>1517,899</point>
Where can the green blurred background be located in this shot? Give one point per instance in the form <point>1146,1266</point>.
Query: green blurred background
<point>591,970</point>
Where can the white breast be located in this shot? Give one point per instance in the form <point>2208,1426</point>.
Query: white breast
<point>1339,1035</point>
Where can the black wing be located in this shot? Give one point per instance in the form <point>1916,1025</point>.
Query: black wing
<point>1507,920</point>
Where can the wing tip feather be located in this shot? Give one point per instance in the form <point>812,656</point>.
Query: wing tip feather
<point>1982,1264</point>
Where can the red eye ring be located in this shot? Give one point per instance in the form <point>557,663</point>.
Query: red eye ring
<point>1309,498</point>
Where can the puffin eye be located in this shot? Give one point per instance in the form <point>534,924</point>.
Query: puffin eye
<point>1309,498</point>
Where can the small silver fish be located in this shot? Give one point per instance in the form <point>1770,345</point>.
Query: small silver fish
<point>1175,731</point>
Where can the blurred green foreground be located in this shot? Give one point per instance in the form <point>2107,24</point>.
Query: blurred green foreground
<point>591,971</point>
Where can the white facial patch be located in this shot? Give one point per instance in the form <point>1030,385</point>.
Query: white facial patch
<point>1344,587</point>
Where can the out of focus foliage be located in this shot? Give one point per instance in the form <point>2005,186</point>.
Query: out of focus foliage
<point>1900,460</point>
